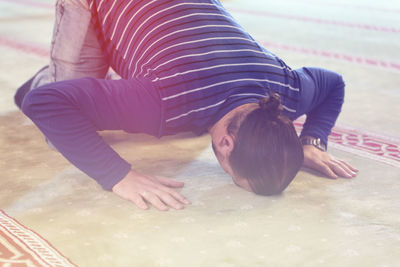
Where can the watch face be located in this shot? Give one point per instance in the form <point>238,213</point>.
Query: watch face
<point>315,142</point>
<point>320,145</point>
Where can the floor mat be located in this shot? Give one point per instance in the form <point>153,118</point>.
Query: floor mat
<point>315,222</point>
<point>20,246</point>
<point>363,143</point>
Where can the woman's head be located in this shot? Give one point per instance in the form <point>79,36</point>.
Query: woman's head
<point>267,151</point>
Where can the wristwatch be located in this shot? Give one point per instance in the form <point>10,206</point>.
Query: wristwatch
<point>309,140</point>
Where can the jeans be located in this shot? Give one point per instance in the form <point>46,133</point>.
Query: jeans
<point>75,50</point>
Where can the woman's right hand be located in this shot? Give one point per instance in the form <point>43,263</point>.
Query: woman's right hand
<point>158,191</point>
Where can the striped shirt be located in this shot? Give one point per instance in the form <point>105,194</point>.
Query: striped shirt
<point>200,60</point>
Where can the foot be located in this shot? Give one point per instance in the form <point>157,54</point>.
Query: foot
<point>25,88</point>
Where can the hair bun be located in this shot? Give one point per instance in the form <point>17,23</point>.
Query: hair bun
<point>271,105</point>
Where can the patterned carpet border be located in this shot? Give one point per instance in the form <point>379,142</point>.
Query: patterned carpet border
<point>20,246</point>
<point>365,144</point>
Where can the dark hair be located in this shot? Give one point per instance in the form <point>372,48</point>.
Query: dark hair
<point>267,151</point>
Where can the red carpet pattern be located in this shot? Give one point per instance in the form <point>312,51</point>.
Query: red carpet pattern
<point>369,145</point>
<point>20,246</point>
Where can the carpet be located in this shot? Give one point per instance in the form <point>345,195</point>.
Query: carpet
<point>363,143</point>
<point>316,222</point>
<point>20,246</point>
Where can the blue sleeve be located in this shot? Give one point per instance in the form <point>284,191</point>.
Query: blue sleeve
<point>321,99</point>
<point>69,113</point>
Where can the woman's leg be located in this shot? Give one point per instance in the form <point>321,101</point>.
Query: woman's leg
<point>75,50</point>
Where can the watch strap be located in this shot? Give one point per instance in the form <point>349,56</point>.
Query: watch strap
<point>309,140</point>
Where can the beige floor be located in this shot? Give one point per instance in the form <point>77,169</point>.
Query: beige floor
<point>317,222</point>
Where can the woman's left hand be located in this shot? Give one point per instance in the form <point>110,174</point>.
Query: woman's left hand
<point>327,164</point>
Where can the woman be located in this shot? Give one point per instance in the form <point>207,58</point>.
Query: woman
<point>185,67</point>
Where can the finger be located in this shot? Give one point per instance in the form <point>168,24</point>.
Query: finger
<point>170,200</point>
<point>170,182</point>
<point>327,170</point>
<point>342,169</point>
<point>154,200</point>
<point>139,202</point>
<point>177,195</point>
<point>162,184</point>
<point>349,166</point>
<point>180,197</point>
<point>173,193</point>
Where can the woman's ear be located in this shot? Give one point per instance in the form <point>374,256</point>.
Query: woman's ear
<point>226,145</point>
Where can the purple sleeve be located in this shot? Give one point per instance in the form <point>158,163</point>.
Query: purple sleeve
<point>321,99</point>
<point>69,113</point>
